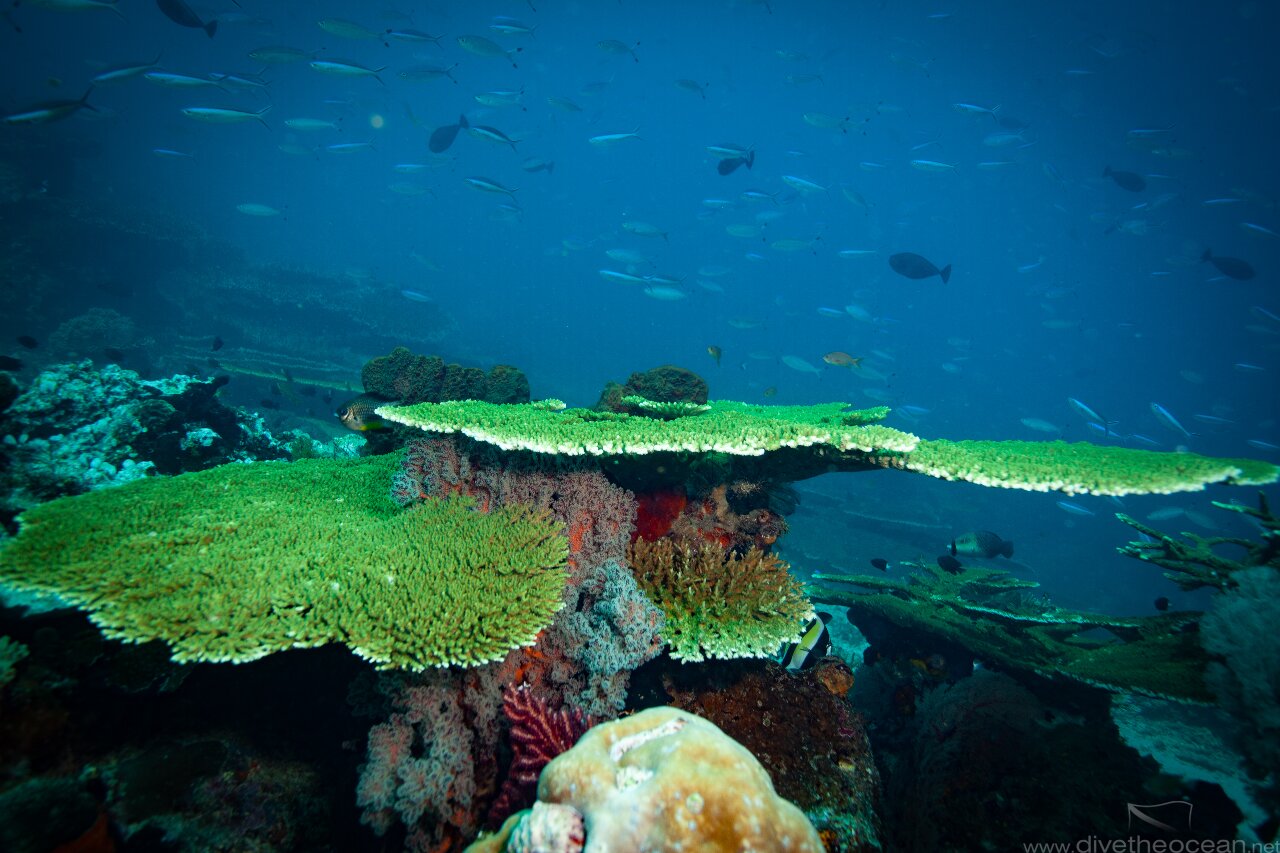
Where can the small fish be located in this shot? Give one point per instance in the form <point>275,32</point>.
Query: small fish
<point>974,109</point>
<point>795,362</point>
<point>1236,268</point>
<point>1074,508</point>
<point>216,345</point>
<point>771,391</point>
<point>511,26</point>
<point>124,72</point>
<point>715,352</point>
<point>309,124</point>
<point>27,342</point>
<point>618,48</point>
<point>499,98</point>
<point>644,229</point>
<point>837,358</point>
<point>48,112</point>
<point>1001,140</point>
<point>179,81</point>
<point>950,564</point>
<point>358,413</point>
<point>729,166</point>
<point>488,186</point>
<point>492,134</point>
<point>665,293</point>
<point>346,69</point>
<point>916,267</point>
<point>1161,603</point>
<point>218,115</point>
<point>412,36</point>
<point>562,103</point>
<point>981,543</point>
<point>932,166</point>
<point>827,122</point>
<point>1258,230</point>
<point>428,72</point>
<point>1259,444</point>
<point>348,147</point>
<point>1089,414</point>
<point>416,296</point>
<point>802,186</point>
<point>1166,419</point>
<point>184,16</point>
<point>1131,181</point>
<point>1041,425</point>
<point>442,137</point>
<point>278,55</point>
<point>481,46</point>
<point>254,209</point>
<point>622,277</point>
<point>536,164</point>
<point>814,644</point>
<point>880,563</point>
<point>8,362</point>
<point>693,86</point>
<point>611,138</point>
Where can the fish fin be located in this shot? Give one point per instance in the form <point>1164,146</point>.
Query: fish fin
<point>211,27</point>
<point>462,121</point>
<point>945,272</point>
<point>1007,549</point>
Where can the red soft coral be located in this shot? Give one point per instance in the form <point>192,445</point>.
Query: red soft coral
<point>538,734</point>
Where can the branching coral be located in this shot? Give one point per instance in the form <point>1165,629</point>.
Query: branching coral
<point>1156,655</point>
<point>241,561</point>
<point>1194,563</point>
<point>719,604</point>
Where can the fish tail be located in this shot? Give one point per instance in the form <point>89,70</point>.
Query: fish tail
<point>1006,548</point>
<point>211,27</point>
<point>462,121</point>
<point>84,99</point>
<point>945,272</point>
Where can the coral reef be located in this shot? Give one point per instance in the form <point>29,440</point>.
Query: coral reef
<point>979,609</point>
<point>241,561</point>
<point>717,603</point>
<point>806,736</point>
<point>77,428</point>
<point>665,779</point>
<point>1194,563</point>
<point>796,442</point>
<point>538,734</point>
<point>410,378</point>
<point>666,384</point>
<point>98,334</point>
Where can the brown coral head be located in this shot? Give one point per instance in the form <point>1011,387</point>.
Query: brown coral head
<point>833,674</point>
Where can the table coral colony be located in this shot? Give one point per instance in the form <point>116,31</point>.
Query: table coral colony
<point>555,549</point>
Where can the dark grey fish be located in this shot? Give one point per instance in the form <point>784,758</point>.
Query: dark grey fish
<point>914,266</point>
<point>981,543</point>
<point>442,137</point>
<point>184,16</point>
<point>1131,181</point>
<point>1237,268</point>
<point>950,564</point>
<point>730,165</point>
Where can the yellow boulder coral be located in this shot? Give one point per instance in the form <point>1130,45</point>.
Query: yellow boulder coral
<point>662,780</point>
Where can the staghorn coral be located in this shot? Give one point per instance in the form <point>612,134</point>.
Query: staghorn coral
<point>719,604</point>
<point>241,561</point>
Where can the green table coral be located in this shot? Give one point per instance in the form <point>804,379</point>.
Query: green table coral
<point>739,429</point>
<point>788,443</point>
<point>986,611</point>
<point>237,562</point>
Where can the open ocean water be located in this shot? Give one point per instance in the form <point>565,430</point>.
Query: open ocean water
<point>1002,220</point>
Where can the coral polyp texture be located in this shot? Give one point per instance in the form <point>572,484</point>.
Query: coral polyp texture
<point>805,441</point>
<point>240,561</point>
<point>662,779</point>
<point>1078,468</point>
<point>739,429</point>
<point>717,603</point>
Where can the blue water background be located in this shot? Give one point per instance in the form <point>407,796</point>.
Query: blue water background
<point>1134,317</point>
